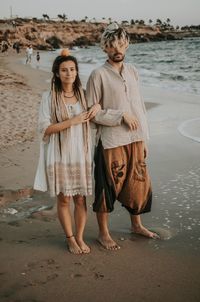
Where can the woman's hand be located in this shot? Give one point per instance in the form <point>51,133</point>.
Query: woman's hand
<point>93,111</point>
<point>57,127</point>
<point>130,121</point>
<point>80,118</point>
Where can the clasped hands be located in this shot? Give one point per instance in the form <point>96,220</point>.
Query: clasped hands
<point>87,115</point>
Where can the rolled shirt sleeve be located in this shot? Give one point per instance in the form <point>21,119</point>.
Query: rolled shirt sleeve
<point>105,117</point>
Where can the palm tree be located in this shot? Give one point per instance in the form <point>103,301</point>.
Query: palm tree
<point>168,21</point>
<point>125,22</point>
<point>158,22</point>
<point>62,17</point>
<point>150,21</point>
<point>45,16</point>
<point>141,22</point>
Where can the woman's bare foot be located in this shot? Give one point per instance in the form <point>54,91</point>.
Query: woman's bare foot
<point>73,245</point>
<point>83,246</point>
<point>141,230</point>
<point>108,243</point>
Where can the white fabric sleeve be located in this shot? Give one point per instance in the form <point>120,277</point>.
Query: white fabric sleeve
<point>44,120</point>
<point>94,92</point>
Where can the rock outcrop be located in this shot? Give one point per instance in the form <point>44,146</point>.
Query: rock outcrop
<point>46,35</point>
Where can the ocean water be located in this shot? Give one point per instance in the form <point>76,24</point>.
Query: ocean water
<point>173,65</point>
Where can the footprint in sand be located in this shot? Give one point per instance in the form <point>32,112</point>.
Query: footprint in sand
<point>47,273</point>
<point>98,275</point>
<point>47,263</point>
<point>52,277</point>
<point>76,276</point>
<point>165,234</point>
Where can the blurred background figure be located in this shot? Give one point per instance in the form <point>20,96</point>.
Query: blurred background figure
<point>38,58</point>
<point>29,53</point>
<point>4,46</point>
<point>16,46</point>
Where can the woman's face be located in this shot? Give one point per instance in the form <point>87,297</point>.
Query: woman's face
<point>67,72</point>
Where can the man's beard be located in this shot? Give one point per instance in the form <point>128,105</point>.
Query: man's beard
<point>117,59</point>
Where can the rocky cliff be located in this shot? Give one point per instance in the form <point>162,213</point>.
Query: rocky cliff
<point>56,34</point>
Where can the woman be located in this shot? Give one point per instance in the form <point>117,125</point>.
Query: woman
<point>64,167</point>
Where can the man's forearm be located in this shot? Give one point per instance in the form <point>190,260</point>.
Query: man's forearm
<point>109,117</point>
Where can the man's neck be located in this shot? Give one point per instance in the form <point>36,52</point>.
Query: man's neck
<point>117,65</point>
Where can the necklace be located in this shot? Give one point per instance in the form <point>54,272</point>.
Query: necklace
<point>66,96</point>
<point>69,97</point>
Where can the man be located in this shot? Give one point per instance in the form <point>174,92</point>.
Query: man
<point>29,52</point>
<point>120,169</point>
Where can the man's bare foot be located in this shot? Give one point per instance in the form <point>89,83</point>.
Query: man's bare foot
<point>73,245</point>
<point>83,246</point>
<point>108,243</point>
<point>141,230</point>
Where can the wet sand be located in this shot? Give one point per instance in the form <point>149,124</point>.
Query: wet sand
<point>34,262</point>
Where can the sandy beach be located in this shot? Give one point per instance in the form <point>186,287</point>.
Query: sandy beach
<point>34,262</point>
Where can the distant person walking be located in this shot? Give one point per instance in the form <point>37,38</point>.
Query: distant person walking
<point>38,58</point>
<point>29,53</point>
<point>13,23</point>
<point>4,46</point>
<point>16,46</point>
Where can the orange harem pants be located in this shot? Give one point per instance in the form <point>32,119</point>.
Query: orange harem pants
<point>121,174</point>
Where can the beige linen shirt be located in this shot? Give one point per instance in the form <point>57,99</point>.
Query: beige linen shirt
<point>117,93</point>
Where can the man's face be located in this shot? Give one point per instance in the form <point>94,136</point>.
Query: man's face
<point>116,51</point>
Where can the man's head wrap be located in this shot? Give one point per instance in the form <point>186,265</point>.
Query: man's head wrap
<point>112,35</point>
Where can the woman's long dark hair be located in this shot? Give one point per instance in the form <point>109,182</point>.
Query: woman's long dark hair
<point>56,87</point>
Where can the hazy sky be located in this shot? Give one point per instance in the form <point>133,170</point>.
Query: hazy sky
<point>180,12</point>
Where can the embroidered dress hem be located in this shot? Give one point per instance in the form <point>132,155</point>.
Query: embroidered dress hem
<point>72,192</point>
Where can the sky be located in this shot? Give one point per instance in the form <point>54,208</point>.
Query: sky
<point>180,12</point>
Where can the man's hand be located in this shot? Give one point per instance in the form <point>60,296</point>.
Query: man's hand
<point>93,111</point>
<point>130,121</point>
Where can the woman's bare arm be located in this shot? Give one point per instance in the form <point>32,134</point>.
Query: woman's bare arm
<point>78,119</point>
